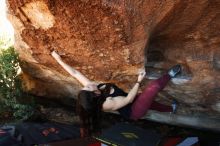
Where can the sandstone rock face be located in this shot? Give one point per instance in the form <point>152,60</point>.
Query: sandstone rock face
<point>109,40</point>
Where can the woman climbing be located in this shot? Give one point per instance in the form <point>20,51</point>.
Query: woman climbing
<point>95,98</point>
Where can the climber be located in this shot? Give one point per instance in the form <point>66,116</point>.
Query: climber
<point>97,97</point>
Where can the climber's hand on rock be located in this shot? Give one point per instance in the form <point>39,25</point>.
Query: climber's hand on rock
<point>141,75</point>
<point>56,55</point>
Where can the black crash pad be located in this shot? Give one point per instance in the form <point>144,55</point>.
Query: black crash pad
<point>125,134</point>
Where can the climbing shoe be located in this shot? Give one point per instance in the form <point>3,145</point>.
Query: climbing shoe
<point>174,106</point>
<point>173,71</point>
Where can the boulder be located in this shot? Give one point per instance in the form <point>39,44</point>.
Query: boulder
<point>109,41</point>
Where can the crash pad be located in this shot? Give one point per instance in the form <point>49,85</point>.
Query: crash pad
<point>126,134</point>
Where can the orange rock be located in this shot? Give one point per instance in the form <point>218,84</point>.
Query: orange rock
<point>166,32</point>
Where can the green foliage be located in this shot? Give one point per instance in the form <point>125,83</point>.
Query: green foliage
<point>5,41</point>
<point>10,85</point>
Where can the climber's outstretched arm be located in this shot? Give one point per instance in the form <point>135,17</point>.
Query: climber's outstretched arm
<point>76,74</point>
<point>112,104</point>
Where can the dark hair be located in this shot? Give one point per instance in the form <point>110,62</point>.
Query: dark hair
<point>89,110</point>
<point>89,107</point>
<point>106,91</point>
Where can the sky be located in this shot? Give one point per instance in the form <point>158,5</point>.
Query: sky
<point>6,29</point>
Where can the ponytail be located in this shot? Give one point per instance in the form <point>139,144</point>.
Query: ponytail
<point>89,112</point>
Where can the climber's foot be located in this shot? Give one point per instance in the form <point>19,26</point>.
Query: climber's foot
<point>173,71</point>
<point>174,106</point>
